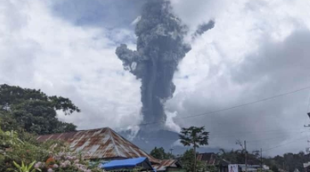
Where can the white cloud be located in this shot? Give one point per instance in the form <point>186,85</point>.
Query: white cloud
<point>47,53</point>
<point>268,31</point>
<point>170,123</point>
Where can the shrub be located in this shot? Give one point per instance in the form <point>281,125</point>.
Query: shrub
<point>65,162</point>
<point>12,148</point>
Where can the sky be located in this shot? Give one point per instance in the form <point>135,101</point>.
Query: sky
<point>256,50</point>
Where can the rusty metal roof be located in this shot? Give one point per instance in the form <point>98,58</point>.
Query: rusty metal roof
<point>167,163</point>
<point>101,143</point>
<point>209,158</point>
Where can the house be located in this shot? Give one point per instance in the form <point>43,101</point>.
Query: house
<point>212,159</point>
<point>169,165</point>
<point>249,168</point>
<point>307,166</point>
<point>208,158</point>
<point>253,168</point>
<point>106,145</point>
<point>103,144</point>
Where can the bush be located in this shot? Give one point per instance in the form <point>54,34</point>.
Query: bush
<point>66,162</point>
<point>51,156</point>
<point>12,148</point>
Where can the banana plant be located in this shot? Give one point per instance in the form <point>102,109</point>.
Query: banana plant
<point>25,168</point>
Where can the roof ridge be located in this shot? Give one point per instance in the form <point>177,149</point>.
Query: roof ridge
<point>57,133</point>
<point>112,138</point>
<point>132,144</point>
<point>95,129</point>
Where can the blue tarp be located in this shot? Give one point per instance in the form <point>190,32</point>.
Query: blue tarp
<point>126,163</point>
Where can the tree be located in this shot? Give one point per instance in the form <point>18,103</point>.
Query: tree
<point>159,153</point>
<point>8,123</point>
<point>274,168</point>
<point>195,137</point>
<point>34,111</point>
<point>189,163</point>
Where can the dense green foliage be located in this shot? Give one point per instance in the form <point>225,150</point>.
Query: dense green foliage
<point>33,111</point>
<point>238,157</point>
<point>159,153</point>
<point>188,163</point>
<point>194,136</point>
<point>288,162</point>
<point>19,154</point>
<point>14,148</point>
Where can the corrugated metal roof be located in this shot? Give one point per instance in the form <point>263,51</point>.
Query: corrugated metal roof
<point>101,143</point>
<point>166,163</point>
<point>209,158</point>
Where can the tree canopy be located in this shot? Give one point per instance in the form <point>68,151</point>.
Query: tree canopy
<point>238,156</point>
<point>189,163</point>
<point>194,136</point>
<point>34,111</point>
<point>288,161</point>
<point>159,153</point>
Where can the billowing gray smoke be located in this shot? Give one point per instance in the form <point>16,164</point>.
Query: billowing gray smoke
<point>203,28</point>
<point>160,48</point>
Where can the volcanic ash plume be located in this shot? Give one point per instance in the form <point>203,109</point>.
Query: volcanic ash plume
<point>203,28</point>
<point>160,47</point>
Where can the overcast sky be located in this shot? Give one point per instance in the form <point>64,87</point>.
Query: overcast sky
<point>257,49</point>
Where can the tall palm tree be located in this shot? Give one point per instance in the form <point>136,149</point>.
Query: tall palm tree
<point>195,137</point>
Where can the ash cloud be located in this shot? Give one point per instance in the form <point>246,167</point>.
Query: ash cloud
<point>160,47</point>
<point>202,28</point>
